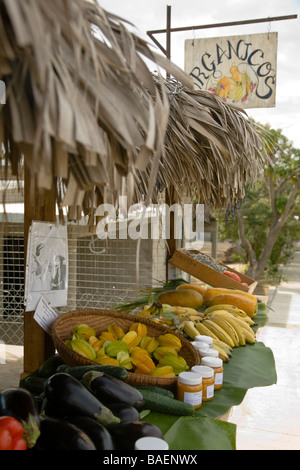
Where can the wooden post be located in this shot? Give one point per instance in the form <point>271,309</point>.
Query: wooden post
<point>39,205</point>
<point>171,242</point>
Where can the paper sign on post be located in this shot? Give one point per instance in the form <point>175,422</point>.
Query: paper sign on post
<point>47,265</point>
<point>44,314</point>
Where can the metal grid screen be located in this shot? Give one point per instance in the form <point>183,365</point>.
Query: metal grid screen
<point>12,281</point>
<point>101,274</point>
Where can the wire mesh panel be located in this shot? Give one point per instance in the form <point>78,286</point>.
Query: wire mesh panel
<point>102,274</point>
<point>12,280</point>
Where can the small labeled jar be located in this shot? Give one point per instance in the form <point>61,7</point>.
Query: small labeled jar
<point>190,388</point>
<point>200,345</point>
<point>208,381</point>
<point>205,339</point>
<point>206,351</point>
<point>151,443</point>
<point>217,365</point>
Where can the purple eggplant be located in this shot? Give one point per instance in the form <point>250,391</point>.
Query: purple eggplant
<point>127,433</point>
<point>58,434</point>
<point>98,433</point>
<point>111,390</point>
<point>125,412</point>
<point>20,404</point>
<point>71,398</point>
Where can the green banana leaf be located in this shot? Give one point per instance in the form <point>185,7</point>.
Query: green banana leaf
<point>262,317</point>
<point>195,433</point>
<point>250,366</point>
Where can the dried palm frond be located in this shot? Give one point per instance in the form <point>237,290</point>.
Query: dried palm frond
<point>78,97</point>
<point>212,150</point>
<point>87,117</point>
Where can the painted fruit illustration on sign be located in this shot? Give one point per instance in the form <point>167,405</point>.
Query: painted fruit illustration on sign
<point>238,86</point>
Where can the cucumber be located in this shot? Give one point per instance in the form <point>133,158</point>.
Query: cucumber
<point>35,385</point>
<point>163,404</point>
<point>160,390</point>
<point>50,365</point>
<point>79,371</point>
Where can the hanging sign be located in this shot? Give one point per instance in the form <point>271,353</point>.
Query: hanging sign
<point>240,69</point>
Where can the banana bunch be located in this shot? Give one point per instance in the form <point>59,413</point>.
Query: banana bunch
<point>237,94</point>
<point>184,313</point>
<point>169,315</point>
<point>229,327</point>
<point>192,330</point>
<point>149,311</point>
<point>235,311</point>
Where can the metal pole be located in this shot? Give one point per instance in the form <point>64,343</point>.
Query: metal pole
<point>170,30</point>
<point>168,45</point>
<point>168,40</point>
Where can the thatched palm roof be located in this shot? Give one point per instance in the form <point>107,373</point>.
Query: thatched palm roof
<point>89,117</point>
<point>212,150</point>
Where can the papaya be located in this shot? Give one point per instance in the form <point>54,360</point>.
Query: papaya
<point>181,298</point>
<point>193,286</point>
<point>212,291</point>
<point>244,303</point>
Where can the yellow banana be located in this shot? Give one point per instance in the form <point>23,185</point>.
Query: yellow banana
<point>234,323</point>
<point>249,335</point>
<point>244,325</point>
<point>219,332</point>
<point>221,344</point>
<point>245,319</point>
<point>203,330</point>
<point>229,308</point>
<point>190,329</point>
<point>222,353</point>
<point>223,323</point>
<point>187,316</point>
<point>177,310</point>
<point>147,312</point>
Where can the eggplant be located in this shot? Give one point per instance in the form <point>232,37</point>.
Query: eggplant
<point>71,398</point>
<point>50,410</point>
<point>111,390</point>
<point>98,433</point>
<point>57,434</point>
<point>125,412</point>
<point>127,433</point>
<point>20,404</point>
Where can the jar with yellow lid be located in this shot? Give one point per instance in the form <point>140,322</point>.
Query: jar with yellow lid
<point>217,365</point>
<point>190,388</point>
<point>208,381</point>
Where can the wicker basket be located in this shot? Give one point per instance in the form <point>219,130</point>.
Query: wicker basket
<point>100,320</point>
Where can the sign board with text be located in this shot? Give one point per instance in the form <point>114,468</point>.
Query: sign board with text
<point>240,69</point>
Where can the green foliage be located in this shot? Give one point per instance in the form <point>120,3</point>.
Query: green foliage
<point>258,212</point>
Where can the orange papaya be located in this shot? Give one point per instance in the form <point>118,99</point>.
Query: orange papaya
<point>181,298</point>
<point>212,291</point>
<point>193,286</point>
<point>244,303</point>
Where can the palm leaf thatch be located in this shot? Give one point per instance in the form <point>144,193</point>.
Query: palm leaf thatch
<point>78,97</point>
<point>87,117</point>
<point>213,151</point>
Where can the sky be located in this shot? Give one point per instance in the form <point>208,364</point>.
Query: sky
<point>148,15</point>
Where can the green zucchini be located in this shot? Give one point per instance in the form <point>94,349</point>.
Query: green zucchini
<point>79,371</point>
<point>163,404</point>
<point>160,390</point>
<point>50,365</point>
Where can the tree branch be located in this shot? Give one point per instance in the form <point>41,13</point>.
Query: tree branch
<point>245,242</point>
